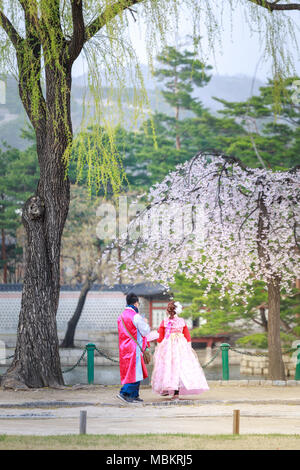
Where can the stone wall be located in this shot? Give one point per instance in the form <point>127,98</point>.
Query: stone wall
<point>97,324</point>
<point>252,365</point>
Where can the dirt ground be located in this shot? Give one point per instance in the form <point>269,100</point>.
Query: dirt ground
<point>106,394</point>
<point>55,412</point>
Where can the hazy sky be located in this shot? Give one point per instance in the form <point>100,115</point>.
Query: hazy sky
<point>241,52</point>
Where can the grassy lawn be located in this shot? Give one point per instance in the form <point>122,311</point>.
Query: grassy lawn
<point>152,442</point>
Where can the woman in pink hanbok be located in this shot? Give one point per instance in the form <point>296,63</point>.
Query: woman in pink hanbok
<point>176,366</point>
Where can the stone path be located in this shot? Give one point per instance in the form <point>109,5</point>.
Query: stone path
<point>264,409</point>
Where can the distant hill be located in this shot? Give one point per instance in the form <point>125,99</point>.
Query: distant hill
<point>230,88</point>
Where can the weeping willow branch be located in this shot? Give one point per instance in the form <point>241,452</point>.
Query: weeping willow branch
<point>30,78</point>
<point>28,51</point>
<point>56,32</point>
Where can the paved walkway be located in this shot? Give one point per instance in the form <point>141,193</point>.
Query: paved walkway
<point>263,409</point>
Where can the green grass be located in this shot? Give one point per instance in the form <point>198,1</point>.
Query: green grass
<point>152,442</point>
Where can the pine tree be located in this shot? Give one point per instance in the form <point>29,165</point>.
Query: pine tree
<point>181,72</point>
<point>19,175</point>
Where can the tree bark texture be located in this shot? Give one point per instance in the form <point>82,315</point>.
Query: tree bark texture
<point>264,321</point>
<point>276,365</point>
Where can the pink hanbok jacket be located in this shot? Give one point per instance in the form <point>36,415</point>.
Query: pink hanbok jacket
<point>132,365</point>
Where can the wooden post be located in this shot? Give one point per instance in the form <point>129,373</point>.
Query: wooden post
<point>236,421</point>
<point>82,424</point>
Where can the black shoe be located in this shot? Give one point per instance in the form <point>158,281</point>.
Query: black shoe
<point>137,400</point>
<point>124,398</point>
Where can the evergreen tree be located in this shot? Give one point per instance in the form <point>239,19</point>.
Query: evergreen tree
<point>181,72</point>
<point>19,175</point>
<point>210,313</point>
<point>266,142</point>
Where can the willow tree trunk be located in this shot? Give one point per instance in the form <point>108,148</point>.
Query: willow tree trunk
<point>36,361</point>
<point>276,365</point>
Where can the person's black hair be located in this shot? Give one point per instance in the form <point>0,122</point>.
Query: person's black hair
<point>131,298</point>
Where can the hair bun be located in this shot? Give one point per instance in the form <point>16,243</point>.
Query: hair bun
<point>171,309</point>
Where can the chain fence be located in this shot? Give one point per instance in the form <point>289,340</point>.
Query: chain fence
<point>77,363</point>
<point>218,350</point>
<point>102,353</point>
<point>248,353</point>
<point>10,357</point>
<point>212,359</point>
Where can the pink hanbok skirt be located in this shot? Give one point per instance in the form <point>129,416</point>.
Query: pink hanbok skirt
<point>176,367</point>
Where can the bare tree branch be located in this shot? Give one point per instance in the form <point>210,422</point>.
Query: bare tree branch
<point>108,14</point>
<point>32,23</point>
<point>10,30</point>
<point>276,6</point>
<point>50,22</point>
<point>77,41</point>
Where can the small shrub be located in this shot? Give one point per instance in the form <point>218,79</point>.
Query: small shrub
<point>260,340</point>
<point>257,340</point>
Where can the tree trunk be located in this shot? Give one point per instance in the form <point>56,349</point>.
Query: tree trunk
<point>178,143</point>
<point>120,260</point>
<point>4,257</point>
<point>263,317</point>
<point>276,365</point>
<point>37,362</point>
<point>68,341</point>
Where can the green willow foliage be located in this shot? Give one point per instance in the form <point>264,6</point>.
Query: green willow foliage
<point>110,53</point>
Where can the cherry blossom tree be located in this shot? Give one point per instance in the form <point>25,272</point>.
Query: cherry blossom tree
<point>216,219</point>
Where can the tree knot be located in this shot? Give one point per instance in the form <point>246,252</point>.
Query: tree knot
<point>35,207</point>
